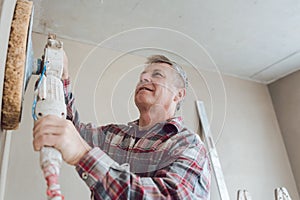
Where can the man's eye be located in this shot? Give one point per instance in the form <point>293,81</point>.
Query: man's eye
<point>157,74</point>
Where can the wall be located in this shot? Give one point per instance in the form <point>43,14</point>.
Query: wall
<point>252,149</point>
<point>243,123</point>
<point>286,99</point>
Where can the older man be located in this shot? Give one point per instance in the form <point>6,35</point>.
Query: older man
<point>154,157</point>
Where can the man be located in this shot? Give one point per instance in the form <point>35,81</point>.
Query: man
<point>154,157</point>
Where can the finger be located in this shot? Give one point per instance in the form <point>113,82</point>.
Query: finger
<point>45,140</point>
<point>48,130</point>
<point>49,120</point>
<point>41,121</point>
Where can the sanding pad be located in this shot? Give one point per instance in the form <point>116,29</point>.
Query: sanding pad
<point>13,87</point>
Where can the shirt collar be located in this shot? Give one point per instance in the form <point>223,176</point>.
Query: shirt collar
<point>168,125</point>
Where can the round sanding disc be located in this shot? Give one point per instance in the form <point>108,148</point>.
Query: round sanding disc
<point>15,66</point>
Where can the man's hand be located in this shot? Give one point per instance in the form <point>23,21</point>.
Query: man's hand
<point>61,134</point>
<point>65,74</point>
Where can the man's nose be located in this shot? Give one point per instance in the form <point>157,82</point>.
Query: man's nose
<point>145,78</point>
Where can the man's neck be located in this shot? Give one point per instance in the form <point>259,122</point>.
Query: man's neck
<point>149,118</point>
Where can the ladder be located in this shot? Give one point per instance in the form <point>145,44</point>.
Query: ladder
<point>281,193</point>
<point>243,195</point>
<point>213,155</point>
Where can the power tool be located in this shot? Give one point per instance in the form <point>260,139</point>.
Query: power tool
<point>48,91</point>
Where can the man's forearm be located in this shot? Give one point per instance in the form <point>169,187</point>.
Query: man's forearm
<point>106,178</point>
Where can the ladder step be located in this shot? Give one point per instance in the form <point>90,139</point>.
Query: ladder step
<point>243,195</point>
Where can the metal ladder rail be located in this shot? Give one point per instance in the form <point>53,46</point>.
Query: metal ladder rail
<point>213,155</point>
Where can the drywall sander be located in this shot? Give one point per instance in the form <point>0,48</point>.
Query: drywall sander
<point>48,91</point>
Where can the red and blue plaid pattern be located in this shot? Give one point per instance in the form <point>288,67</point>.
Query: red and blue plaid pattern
<point>167,161</point>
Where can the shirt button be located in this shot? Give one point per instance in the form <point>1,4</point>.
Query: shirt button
<point>84,175</point>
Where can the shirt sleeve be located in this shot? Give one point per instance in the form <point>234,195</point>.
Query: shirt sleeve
<point>188,177</point>
<point>69,100</point>
<point>86,130</point>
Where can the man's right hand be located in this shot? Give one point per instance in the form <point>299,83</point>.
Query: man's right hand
<point>61,134</point>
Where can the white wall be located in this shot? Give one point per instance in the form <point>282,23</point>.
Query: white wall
<point>241,114</point>
<point>286,99</point>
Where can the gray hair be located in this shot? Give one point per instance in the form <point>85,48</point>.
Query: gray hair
<point>180,72</point>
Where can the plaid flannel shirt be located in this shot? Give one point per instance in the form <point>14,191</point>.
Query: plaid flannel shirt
<point>167,161</point>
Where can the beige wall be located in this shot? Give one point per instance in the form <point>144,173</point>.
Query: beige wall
<point>241,114</point>
<point>286,99</point>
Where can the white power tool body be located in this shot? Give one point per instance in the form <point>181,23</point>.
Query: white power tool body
<point>49,100</point>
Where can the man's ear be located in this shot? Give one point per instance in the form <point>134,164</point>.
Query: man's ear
<point>180,94</point>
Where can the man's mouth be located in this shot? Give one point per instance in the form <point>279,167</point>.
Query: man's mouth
<point>145,88</point>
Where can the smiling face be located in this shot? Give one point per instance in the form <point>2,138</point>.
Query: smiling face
<point>157,88</point>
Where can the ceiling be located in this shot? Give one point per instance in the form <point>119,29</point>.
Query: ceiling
<point>257,39</point>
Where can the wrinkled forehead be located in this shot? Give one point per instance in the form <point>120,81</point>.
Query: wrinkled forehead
<point>159,66</point>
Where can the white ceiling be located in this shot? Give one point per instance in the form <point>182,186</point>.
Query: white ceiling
<point>256,39</point>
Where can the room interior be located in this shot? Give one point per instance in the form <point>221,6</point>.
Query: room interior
<point>242,60</point>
